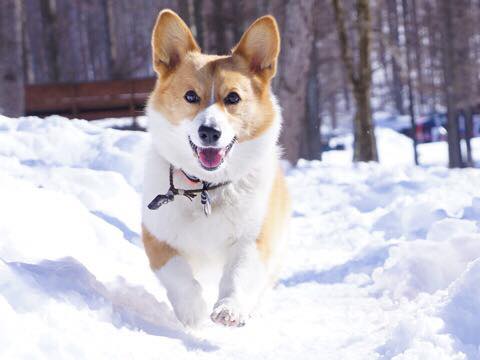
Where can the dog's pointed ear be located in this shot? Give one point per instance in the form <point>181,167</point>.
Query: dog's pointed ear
<point>260,46</point>
<point>171,40</point>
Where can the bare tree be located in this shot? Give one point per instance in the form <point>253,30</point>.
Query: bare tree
<point>129,45</point>
<point>360,74</point>
<point>466,79</point>
<point>40,55</point>
<point>293,74</point>
<point>449,73</point>
<point>413,30</point>
<point>312,142</point>
<point>11,64</point>
<point>411,100</point>
<point>394,39</point>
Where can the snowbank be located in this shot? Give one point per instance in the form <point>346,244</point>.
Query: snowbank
<point>395,149</point>
<point>383,261</point>
<point>461,309</point>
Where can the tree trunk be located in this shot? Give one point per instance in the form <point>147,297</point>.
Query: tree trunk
<point>346,91</point>
<point>416,43</point>
<point>39,38</point>
<point>393,24</point>
<point>434,45</point>
<point>453,133</point>
<point>382,53</point>
<point>11,64</point>
<point>468,116</point>
<point>130,38</point>
<point>365,148</point>
<point>216,27</point>
<point>465,87</point>
<point>294,69</point>
<point>313,148</point>
<point>408,45</point>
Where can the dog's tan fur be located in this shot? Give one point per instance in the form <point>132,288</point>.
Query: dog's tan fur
<point>158,252</point>
<point>275,218</point>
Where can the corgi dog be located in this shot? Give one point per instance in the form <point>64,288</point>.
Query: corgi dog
<point>214,126</point>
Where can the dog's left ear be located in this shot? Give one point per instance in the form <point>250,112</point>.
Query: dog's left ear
<point>260,46</point>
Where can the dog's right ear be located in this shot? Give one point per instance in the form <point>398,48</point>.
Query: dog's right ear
<point>171,40</point>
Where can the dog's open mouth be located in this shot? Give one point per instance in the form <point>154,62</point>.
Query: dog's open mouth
<point>211,158</point>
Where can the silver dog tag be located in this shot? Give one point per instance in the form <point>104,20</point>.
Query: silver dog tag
<point>205,200</point>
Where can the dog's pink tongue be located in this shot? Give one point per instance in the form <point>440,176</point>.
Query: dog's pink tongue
<point>210,157</point>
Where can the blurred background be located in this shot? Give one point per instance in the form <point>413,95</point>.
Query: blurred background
<point>345,66</point>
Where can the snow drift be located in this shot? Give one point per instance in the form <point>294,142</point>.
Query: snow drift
<point>383,260</point>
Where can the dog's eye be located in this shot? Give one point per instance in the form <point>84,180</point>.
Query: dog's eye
<point>191,97</point>
<point>232,98</point>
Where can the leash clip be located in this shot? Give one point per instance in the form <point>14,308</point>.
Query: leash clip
<point>161,199</point>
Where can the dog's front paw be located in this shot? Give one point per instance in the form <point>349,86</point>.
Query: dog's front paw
<point>227,312</point>
<point>191,312</point>
<point>190,308</point>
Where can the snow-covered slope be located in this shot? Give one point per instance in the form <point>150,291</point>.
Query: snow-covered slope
<point>383,262</point>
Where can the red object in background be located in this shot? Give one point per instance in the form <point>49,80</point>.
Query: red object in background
<point>419,133</point>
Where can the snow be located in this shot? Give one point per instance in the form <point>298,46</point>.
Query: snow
<point>394,149</point>
<point>383,262</point>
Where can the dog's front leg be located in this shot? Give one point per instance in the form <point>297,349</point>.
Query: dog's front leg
<point>244,279</point>
<point>174,272</point>
<point>183,291</point>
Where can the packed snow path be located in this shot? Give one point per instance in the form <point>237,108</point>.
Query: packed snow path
<point>381,262</point>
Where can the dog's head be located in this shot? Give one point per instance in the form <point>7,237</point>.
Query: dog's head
<point>214,116</point>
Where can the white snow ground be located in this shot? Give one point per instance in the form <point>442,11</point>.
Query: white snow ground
<point>384,261</point>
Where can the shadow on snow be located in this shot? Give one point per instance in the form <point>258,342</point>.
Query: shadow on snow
<point>132,307</point>
<point>365,263</point>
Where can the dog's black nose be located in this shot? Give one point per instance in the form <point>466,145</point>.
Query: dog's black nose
<point>209,134</point>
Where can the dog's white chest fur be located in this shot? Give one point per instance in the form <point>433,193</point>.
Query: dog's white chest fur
<point>237,211</point>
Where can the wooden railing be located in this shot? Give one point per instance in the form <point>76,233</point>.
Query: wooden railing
<point>91,100</point>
